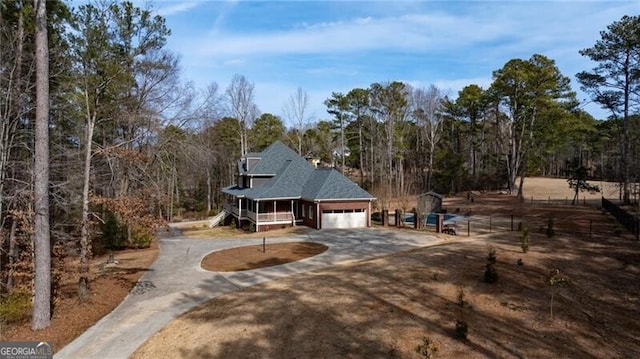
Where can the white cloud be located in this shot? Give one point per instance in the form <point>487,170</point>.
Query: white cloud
<point>417,33</point>
<point>176,8</point>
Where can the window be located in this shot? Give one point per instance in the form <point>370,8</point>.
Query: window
<point>310,212</point>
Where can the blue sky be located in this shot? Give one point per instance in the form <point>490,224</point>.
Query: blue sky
<point>329,46</point>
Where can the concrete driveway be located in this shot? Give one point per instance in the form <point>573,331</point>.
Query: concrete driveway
<point>175,283</point>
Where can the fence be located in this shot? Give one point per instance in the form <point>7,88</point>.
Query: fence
<point>486,224</point>
<point>629,221</point>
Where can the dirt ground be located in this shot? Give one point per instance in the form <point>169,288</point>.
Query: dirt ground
<point>384,307</point>
<point>252,257</point>
<point>109,285</point>
<point>387,306</point>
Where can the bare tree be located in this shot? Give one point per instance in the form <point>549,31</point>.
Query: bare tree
<point>242,108</point>
<point>42,287</point>
<point>427,112</point>
<point>295,110</point>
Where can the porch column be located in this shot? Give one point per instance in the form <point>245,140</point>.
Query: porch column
<point>239,208</point>
<point>317,215</point>
<point>369,215</point>
<point>257,212</point>
<point>293,217</point>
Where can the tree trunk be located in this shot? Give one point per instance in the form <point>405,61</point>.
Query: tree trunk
<point>85,250</point>
<point>42,286</point>
<point>208,191</point>
<point>12,252</point>
<point>361,152</point>
<point>626,199</point>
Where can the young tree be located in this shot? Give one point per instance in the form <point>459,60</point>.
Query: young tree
<point>614,82</point>
<point>42,286</point>
<point>578,181</point>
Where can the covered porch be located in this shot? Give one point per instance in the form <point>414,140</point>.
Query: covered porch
<point>265,213</point>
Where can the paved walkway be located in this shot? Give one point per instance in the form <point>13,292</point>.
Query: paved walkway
<point>175,283</point>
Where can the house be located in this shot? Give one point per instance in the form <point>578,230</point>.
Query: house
<point>277,188</point>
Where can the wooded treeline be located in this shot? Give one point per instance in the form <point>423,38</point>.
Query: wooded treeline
<point>132,145</point>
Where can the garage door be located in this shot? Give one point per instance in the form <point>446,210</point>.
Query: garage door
<point>335,219</point>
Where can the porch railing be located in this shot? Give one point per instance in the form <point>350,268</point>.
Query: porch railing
<point>230,208</point>
<point>275,217</point>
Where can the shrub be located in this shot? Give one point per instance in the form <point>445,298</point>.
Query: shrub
<point>554,279</point>
<point>462,300</point>
<point>525,240</point>
<point>462,329</point>
<point>15,307</point>
<point>427,349</point>
<point>252,227</point>
<point>550,232</point>
<point>114,234</point>
<point>141,237</point>
<point>491,256</point>
<point>490,274</point>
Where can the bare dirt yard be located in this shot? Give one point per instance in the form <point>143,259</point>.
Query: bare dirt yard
<point>387,307</point>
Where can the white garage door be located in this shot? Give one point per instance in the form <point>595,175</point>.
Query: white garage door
<point>344,220</point>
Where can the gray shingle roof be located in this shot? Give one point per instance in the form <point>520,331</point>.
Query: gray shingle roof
<point>294,177</point>
<point>327,183</point>
<point>273,158</point>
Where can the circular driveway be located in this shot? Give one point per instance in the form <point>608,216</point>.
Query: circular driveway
<point>176,283</point>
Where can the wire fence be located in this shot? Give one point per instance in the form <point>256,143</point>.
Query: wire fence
<point>551,223</point>
<point>628,220</point>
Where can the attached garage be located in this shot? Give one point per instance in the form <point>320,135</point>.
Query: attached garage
<point>344,218</point>
<point>343,214</point>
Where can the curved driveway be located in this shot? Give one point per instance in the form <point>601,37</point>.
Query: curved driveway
<point>175,282</point>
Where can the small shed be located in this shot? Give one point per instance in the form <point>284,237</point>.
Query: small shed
<point>429,202</point>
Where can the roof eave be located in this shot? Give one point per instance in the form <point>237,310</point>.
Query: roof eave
<point>370,199</point>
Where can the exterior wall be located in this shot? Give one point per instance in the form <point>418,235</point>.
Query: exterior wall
<point>270,227</point>
<point>304,208</point>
